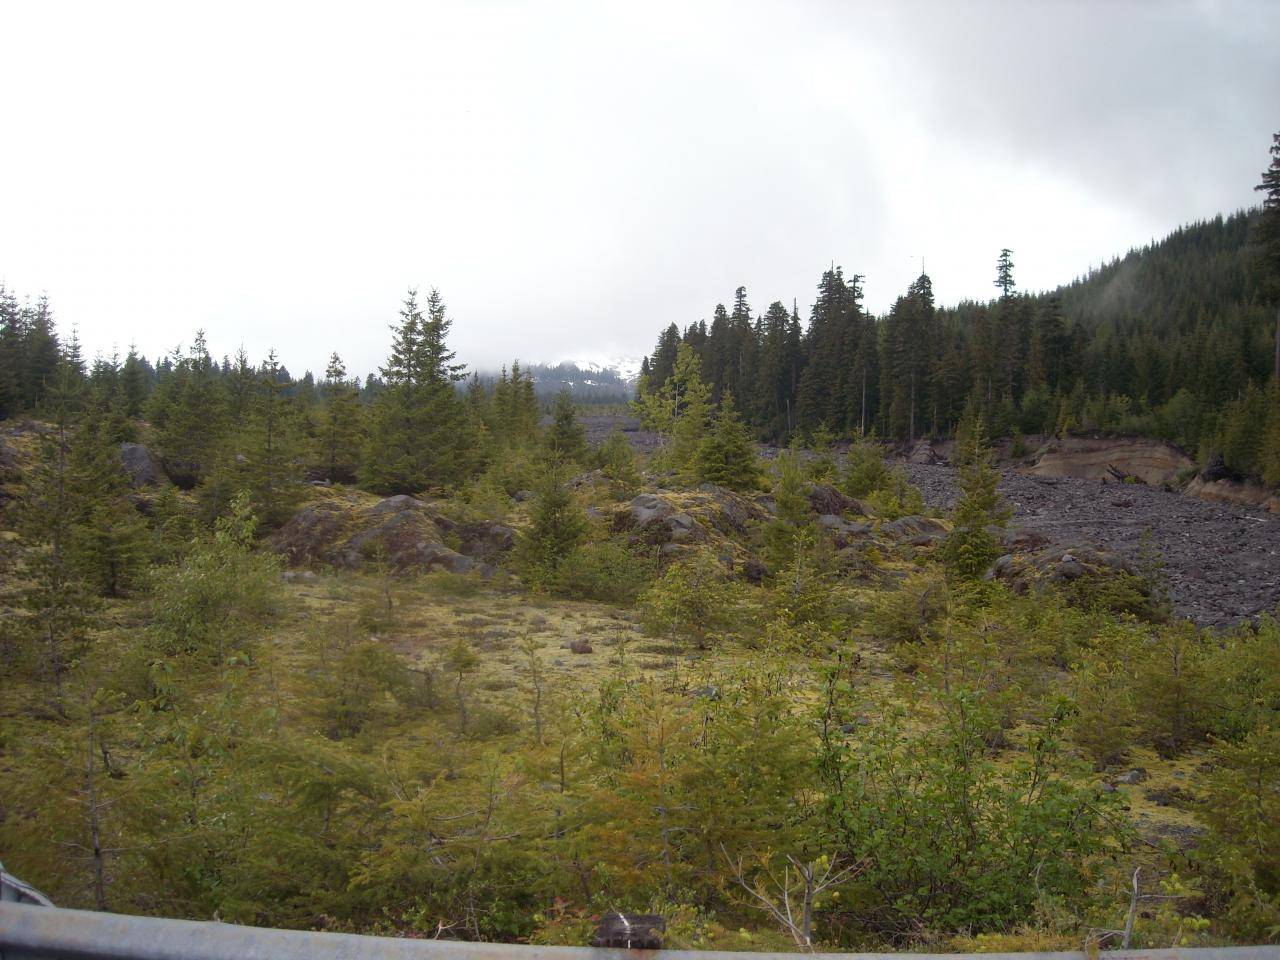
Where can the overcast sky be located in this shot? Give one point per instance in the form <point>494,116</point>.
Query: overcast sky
<point>573,177</point>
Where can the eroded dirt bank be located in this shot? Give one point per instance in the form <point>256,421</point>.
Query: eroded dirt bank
<point>1222,560</point>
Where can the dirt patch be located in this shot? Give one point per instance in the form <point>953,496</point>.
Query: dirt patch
<point>1100,458</point>
<point>1234,492</point>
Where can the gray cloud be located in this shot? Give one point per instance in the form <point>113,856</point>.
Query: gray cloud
<point>574,176</point>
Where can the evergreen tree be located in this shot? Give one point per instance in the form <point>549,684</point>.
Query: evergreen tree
<point>908,340</point>
<point>618,461</point>
<point>680,410</point>
<point>341,424</point>
<point>135,384</point>
<point>11,354</point>
<point>727,456</point>
<point>1268,239</point>
<point>971,546</point>
<point>109,543</point>
<point>56,600</point>
<point>558,526</point>
<point>187,411</point>
<point>419,434</point>
<point>566,440</point>
<point>791,519</point>
<point>41,354</point>
<point>1004,273</point>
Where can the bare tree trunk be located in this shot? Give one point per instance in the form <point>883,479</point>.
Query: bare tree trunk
<point>1277,369</point>
<point>1132,916</point>
<point>95,827</point>
<point>863,425</point>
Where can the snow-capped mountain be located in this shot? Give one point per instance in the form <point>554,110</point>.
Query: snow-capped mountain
<point>625,368</point>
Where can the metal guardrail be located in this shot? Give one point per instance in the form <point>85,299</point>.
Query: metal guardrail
<point>13,890</point>
<point>29,931</point>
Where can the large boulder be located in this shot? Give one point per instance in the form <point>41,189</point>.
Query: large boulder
<point>400,531</point>
<point>824,499</point>
<point>648,508</point>
<point>1054,564</point>
<point>924,454</point>
<point>916,531</point>
<point>841,531</point>
<point>141,466</point>
<point>692,516</point>
<point>485,540</point>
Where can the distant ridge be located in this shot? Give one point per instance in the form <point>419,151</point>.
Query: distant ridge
<point>592,381</point>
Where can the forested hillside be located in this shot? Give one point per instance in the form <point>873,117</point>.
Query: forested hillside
<point>1175,340</point>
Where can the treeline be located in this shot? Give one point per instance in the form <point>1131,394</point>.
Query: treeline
<point>1172,341</point>
<point>1175,340</point>
<point>229,427</point>
<point>588,385</point>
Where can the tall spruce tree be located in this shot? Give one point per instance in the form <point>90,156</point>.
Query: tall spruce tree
<point>726,455</point>
<point>419,433</point>
<point>56,600</point>
<point>109,544</point>
<point>187,411</point>
<point>566,440</point>
<point>558,527</point>
<point>341,432</point>
<point>1268,239</point>
<point>971,546</point>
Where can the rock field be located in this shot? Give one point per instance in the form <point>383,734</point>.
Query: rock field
<point>1222,560</point>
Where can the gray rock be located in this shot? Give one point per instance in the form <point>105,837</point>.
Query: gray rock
<point>919,531</point>
<point>647,508</point>
<point>1136,775</point>
<point>395,505</point>
<point>142,467</point>
<point>683,527</point>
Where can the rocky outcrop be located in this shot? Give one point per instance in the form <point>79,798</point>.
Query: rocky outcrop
<point>688,516</point>
<point>1233,491</point>
<point>916,531</point>
<point>842,532</point>
<point>826,500</point>
<point>1053,564</point>
<point>401,531</point>
<point>925,452</point>
<point>141,466</point>
<point>1109,458</point>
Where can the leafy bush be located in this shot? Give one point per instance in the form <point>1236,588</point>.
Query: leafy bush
<point>896,497</point>
<point>209,602</point>
<point>1240,857</point>
<point>911,613</point>
<point>693,599</point>
<point>354,680</point>
<point>950,840</point>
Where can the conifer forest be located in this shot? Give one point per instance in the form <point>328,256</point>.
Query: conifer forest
<point>779,649</point>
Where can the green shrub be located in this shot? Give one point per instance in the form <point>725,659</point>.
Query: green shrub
<point>694,599</point>
<point>864,470</point>
<point>911,613</point>
<point>608,571</point>
<point>210,602</point>
<point>948,838</point>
